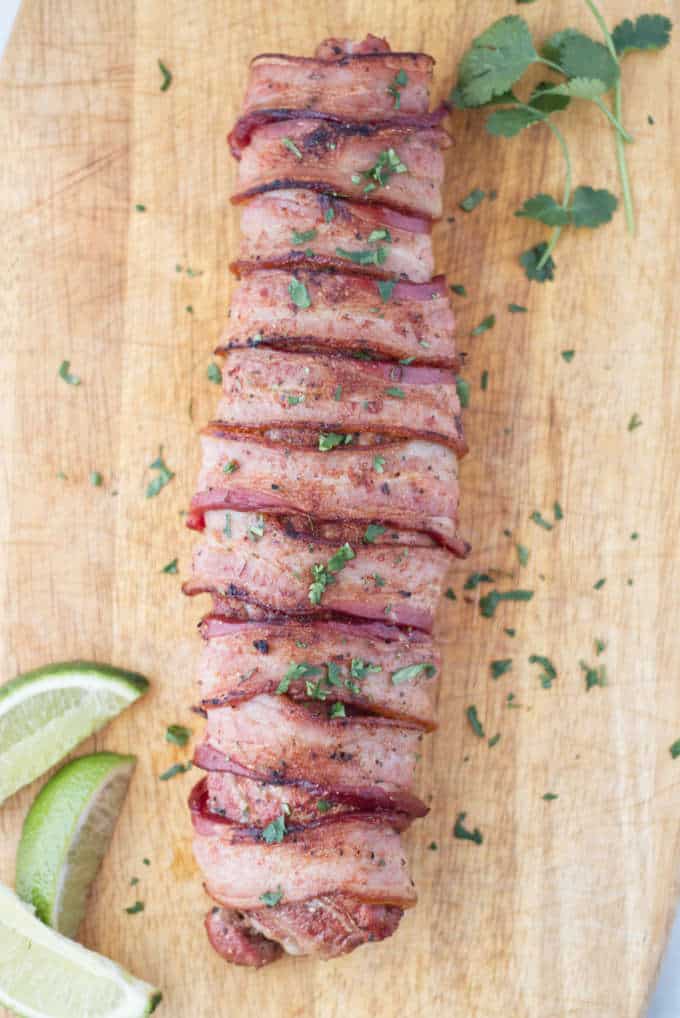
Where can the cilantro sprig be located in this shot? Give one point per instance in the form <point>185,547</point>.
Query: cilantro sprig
<point>589,70</point>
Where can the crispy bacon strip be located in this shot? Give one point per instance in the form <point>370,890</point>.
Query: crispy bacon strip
<point>294,229</point>
<point>327,926</point>
<point>269,388</point>
<point>253,658</point>
<point>347,314</point>
<point>361,857</point>
<point>417,488</point>
<point>340,159</point>
<point>275,572</point>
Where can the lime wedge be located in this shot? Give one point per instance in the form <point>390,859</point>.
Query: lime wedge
<point>45,713</point>
<point>66,833</point>
<point>44,975</point>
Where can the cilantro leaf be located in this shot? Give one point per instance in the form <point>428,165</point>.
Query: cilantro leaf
<point>486,324</point>
<point>274,832</point>
<point>582,57</point>
<point>581,88</point>
<point>592,208</point>
<point>529,261</point>
<point>472,201</point>
<point>567,355</point>
<point>545,209</point>
<point>171,567</point>
<point>385,288</point>
<point>500,667</point>
<point>167,76</point>
<point>272,898</point>
<point>674,749</point>
<point>509,122</point>
<point>214,373</point>
<point>163,477</point>
<point>496,60</point>
<point>489,603</point>
<point>553,44</point>
<point>412,672</point>
<point>373,531</point>
<point>65,374</point>
<point>649,32</point>
<point>176,769</point>
<point>179,735</point>
<point>463,390</point>
<point>332,439</point>
<point>549,673</point>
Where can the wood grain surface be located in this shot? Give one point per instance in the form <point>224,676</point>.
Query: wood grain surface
<point>563,911</point>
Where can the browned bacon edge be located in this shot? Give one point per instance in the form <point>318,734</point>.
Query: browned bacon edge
<point>241,133</point>
<point>373,799</point>
<point>214,625</point>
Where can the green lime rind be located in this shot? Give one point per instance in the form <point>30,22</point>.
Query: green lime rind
<point>45,713</point>
<point>66,834</point>
<point>46,975</point>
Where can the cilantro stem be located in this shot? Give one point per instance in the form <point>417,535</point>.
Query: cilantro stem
<point>555,235</point>
<point>620,151</point>
<point>550,64</point>
<point>619,128</point>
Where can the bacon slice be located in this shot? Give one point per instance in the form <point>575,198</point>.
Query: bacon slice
<point>338,159</point>
<point>253,658</point>
<point>339,49</point>
<point>326,927</point>
<point>275,572</point>
<point>274,226</point>
<point>338,84</point>
<point>417,488</point>
<point>346,315</point>
<point>276,737</point>
<point>269,388</point>
<point>361,857</point>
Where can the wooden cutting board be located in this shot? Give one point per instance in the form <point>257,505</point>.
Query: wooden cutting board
<point>563,910</point>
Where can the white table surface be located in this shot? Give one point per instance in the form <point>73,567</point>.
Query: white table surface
<point>666,1000</point>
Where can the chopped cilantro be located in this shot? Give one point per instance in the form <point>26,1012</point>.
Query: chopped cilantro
<point>484,380</point>
<point>593,676</point>
<point>303,236</point>
<point>292,147</point>
<point>463,390</point>
<point>558,511</point>
<point>385,288</point>
<point>634,422</point>
<point>489,603</point>
<point>472,201</point>
<point>295,672</point>
<point>65,374</point>
<point>333,439</point>
<point>486,324</point>
<point>458,289</point>
<point>634,536</point>
<point>387,163</point>
<point>463,834</point>
<point>256,529</point>
<point>274,832</point>
<point>549,673</point>
<point>494,740</point>
<point>373,531</point>
<point>329,214</point>
<point>337,394</point>
<point>410,672</point>
<point>600,583</point>
<point>272,898</point>
<point>337,710</point>
<point>600,647</point>
<point>380,234</point>
<point>376,256</point>
<point>230,467</point>
<point>450,593</point>
<point>674,749</point>
<point>379,464</point>
<point>500,667</point>
<point>522,554</point>
<point>323,575</point>
<point>540,521</point>
<point>567,355</point>
<point>171,567</point>
<point>96,479</point>
<point>140,208</point>
<point>323,805</point>
<point>173,771</point>
<point>299,294</point>
<point>395,392</point>
<point>163,477</point>
<point>474,580</point>
<point>510,632</point>
<point>167,76</point>
<point>177,734</point>
<point>475,723</point>
<point>134,909</point>
<point>215,373</point>
<point>550,796</point>
<point>516,308</point>
<point>394,88</point>
<point>432,846</point>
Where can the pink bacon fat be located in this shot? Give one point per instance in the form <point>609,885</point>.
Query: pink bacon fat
<point>362,857</point>
<point>270,388</point>
<point>367,672</point>
<point>347,314</point>
<point>301,228</point>
<point>417,488</point>
<point>275,572</point>
<point>338,159</point>
<point>327,926</point>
